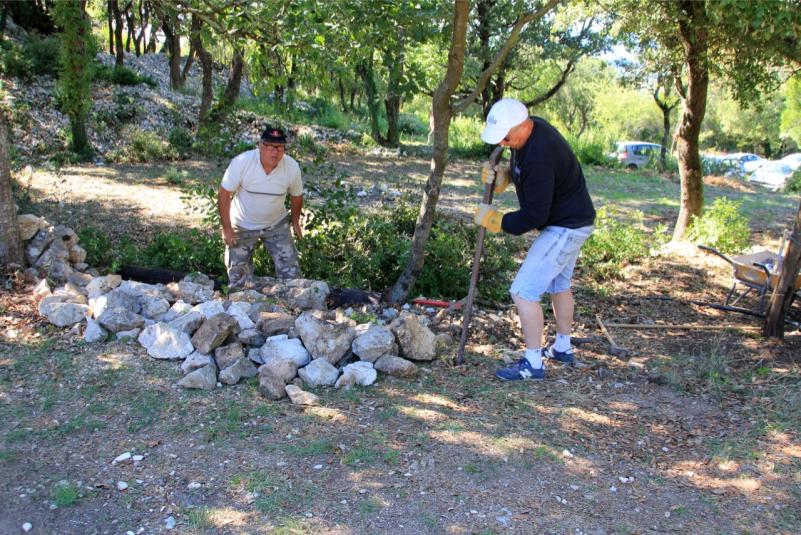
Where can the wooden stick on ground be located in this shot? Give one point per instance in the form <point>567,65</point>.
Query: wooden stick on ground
<point>680,326</point>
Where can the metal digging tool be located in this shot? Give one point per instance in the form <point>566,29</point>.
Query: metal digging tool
<point>614,349</point>
<point>489,189</point>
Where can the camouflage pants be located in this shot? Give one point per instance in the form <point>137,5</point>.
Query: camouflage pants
<point>277,241</point>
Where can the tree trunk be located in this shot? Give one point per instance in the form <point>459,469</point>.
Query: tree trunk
<point>231,93</point>
<point>666,109</point>
<point>482,14</point>
<point>144,19</point>
<point>129,26</point>
<point>110,19</point>
<point>3,18</point>
<point>365,71</point>
<point>204,56</point>
<point>120,56</point>
<point>10,242</point>
<point>190,60</point>
<point>693,36</point>
<point>170,27</point>
<point>342,102</point>
<point>782,296</point>
<point>443,113</point>
<point>234,79</point>
<point>392,101</point>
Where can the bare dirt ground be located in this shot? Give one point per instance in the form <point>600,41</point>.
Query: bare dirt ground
<point>697,433</point>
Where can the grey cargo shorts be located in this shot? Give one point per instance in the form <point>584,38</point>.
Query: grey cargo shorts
<point>278,242</point>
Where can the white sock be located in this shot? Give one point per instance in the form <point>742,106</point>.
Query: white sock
<point>534,357</point>
<point>562,342</point>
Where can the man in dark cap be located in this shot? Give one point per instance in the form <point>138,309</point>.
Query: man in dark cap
<point>251,204</point>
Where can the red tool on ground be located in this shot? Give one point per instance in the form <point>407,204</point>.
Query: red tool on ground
<point>489,189</point>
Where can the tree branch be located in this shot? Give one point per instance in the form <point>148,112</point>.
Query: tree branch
<point>570,67</point>
<point>514,36</point>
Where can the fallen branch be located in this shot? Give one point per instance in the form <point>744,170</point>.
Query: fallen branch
<point>681,326</point>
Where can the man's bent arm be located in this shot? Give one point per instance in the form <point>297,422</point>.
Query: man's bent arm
<point>296,206</point>
<point>224,207</point>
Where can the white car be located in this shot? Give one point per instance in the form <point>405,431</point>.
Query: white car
<point>773,175</point>
<point>793,160</point>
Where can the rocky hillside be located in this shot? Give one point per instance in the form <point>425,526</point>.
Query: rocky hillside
<point>119,112</point>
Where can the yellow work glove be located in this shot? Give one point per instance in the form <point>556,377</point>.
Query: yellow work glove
<point>488,218</point>
<point>501,180</point>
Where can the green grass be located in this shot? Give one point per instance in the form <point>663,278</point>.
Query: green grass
<point>64,494</point>
<point>144,410</point>
<point>369,506</point>
<point>199,519</point>
<point>310,449</point>
<point>647,191</point>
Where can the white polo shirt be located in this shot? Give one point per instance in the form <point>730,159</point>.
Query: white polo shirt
<point>258,197</point>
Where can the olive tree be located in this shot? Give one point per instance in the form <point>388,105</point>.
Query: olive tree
<point>75,80</point>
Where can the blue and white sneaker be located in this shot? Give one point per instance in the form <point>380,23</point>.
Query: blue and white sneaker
<point>520,371</point>
<point>565,357</point>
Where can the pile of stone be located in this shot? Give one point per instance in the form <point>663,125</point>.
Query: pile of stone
<point>50,250</point>
<point>278,330</point>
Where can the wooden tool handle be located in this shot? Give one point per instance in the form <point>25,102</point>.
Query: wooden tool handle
<point>603,329</point>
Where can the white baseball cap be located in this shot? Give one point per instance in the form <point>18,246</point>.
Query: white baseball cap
<point>503,116</point>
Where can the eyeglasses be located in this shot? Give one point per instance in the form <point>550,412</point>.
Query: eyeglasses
<point>277,148</point>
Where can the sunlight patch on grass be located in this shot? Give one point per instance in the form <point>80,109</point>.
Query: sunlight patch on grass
<point>425,415</point>
<point>327,415</point>
<point>205,518</point>
<point>591,417</point>
<point>442,401</point>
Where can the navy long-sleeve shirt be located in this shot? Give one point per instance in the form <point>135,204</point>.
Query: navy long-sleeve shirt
<point>549,182</point>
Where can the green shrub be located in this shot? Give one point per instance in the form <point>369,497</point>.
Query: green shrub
<point>794,182</point>
<point>306,144</point>
<point>35,56</point>
<point>617,241</point>
<point>181,141</point>
<point>722,226</point>
<point>589,150</point>
<point>201,198</point>
<point>43,53</point>
<point>464,138</point>
<point>14,61</point>
<point>102,252</point>
<point>192,250</point>
<point>174,176</point>
<point>409,123</point>
<point>120,76</point>
<point>143,146</point>
<point>349,247</point>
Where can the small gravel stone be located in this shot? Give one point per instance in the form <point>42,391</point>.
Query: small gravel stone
<point>27,526</point>
<point>122,458</point>
<point>122,485</point>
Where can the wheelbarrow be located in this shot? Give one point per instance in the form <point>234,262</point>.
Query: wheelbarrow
<point>756,273</point>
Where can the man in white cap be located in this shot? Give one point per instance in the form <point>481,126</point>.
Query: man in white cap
<point>553,199</point>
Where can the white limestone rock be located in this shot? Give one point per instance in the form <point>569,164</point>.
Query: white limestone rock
<point>319,372</point>
<point>298,396</point>
<point>375,342</point>
<point>280,346</point>
<point>359,373</point>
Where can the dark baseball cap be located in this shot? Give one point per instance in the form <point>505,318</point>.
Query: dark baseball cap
<point>273,134</point>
